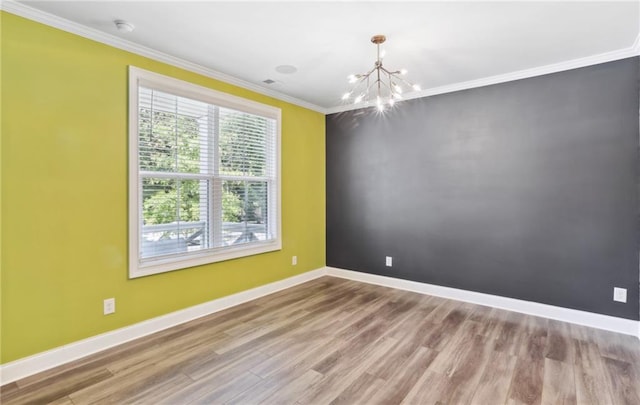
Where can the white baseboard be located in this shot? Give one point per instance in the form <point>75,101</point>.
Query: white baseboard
<point>27,366</point>
<point>610,323</point>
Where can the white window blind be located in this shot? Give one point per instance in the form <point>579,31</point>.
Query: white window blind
<point>206,174</point>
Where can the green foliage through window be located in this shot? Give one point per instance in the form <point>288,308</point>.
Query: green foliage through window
<point>175,135</point>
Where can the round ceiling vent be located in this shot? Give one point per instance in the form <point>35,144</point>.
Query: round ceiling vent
<point>286,69</point>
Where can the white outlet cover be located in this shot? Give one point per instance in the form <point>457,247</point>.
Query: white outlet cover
<point>619,294</point>
<point>109,306</point>
<point>294,260</point>
<point>389,261</point>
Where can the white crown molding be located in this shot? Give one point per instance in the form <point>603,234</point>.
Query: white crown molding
<point>636,46</point>
<point>34,14</point>
<point>63,24</point>
<point>599,321</point>
<point>27,366</point>
<point>633,50</point>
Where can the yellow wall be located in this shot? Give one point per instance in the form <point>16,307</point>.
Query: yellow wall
<point>64,195</point>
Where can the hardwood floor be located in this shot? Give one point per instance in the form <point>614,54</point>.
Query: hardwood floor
<point>333,341</point>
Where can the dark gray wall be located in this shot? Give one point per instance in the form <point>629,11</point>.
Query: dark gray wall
<point>526,189</point>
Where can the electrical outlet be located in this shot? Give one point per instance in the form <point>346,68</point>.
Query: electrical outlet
<point>619,294</point>
<point>389,261</point>
<point>294,260</point>
<point>109,306</point>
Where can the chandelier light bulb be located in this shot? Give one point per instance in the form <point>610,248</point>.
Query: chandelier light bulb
<point>416,87</point>
<point>346,96</point>
<point>352,78</point>
<point>358,99</point>
<point>391,102</point>
<point>403,71</point>
<point>380,107</point>
<point>397,88</point>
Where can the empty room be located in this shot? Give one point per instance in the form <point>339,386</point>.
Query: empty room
<point>208,202</point>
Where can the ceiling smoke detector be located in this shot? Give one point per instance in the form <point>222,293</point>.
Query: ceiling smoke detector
<point>124,26</point>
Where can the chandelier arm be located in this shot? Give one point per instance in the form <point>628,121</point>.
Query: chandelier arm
<point>363,77</point>
<point>387,85</point>
<point>408,83</point>
<point>387,71</point>
<point>366,93</point>
<point>392,82</point>
<point>355,91</point>
<point>359,84</point>
<point>370,83</point>
<point>368,90</point>
<point>369,72</point>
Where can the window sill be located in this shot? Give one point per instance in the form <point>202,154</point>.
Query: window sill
<point>165,264</point>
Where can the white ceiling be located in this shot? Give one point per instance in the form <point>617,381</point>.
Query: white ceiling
<point>440,43</point>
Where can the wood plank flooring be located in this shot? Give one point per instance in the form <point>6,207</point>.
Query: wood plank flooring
<point>334,341</point>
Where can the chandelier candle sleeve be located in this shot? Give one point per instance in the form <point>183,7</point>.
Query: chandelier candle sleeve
<point>379,85</point>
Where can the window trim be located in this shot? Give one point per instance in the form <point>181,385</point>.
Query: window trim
<point>140,268</point>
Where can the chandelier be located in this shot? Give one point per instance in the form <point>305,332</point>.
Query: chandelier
<point>379,86</point>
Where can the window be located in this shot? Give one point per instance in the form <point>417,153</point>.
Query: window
<point>204,175</point>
